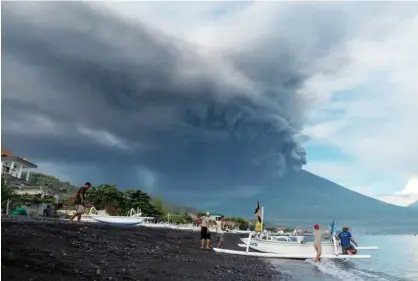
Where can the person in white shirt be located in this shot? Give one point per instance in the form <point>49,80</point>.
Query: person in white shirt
<point>220,230</point>
<point>317,235</point>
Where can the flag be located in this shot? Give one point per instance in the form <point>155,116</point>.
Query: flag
<point>332,227</point>
<point>257,213</point>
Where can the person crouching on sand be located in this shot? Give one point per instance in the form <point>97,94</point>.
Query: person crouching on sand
<point>317,235</point>
<point>204,231</point>
<point>79,201</point>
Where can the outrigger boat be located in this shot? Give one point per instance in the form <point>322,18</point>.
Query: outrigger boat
<point>133,218</point>
<point>294,247</point>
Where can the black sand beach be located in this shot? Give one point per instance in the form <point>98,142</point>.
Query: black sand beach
<point>62,251</point>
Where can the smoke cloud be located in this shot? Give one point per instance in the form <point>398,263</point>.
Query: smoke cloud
<point>82,86</point>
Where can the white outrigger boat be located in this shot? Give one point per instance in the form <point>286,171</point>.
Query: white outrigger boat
<point>290,247</point>
<point>287,248</point>
<point>132,218</point>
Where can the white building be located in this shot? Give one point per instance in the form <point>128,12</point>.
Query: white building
<point>16,171</point>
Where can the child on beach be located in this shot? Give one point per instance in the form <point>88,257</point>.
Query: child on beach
<point>317,235</point>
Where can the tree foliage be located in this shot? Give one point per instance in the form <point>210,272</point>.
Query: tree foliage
<point>243,224</point>
<point>51,183</point>
<point>8,194</point>
<point>33,198</point>
<point>116,202</point>
<point>139,199</point>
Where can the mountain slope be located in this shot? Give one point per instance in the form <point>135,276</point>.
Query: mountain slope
<point>303,195</point>
<point>414,205</point>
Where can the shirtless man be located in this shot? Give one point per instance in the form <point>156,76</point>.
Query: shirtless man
<point>79,202</point>
<point>317,235</point>
<point>204,231</point>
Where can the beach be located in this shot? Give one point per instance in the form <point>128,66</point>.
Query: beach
<point>65,251</point>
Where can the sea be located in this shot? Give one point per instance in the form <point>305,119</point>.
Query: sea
<point>395,260</point>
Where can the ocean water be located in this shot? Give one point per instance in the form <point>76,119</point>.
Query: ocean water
<point>395,260</point>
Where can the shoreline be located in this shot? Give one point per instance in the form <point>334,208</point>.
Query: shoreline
<point>85,251</point>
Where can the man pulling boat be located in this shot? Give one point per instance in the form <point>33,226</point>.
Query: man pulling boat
<point>345,238</point>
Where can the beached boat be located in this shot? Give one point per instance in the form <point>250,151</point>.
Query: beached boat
<point>132,218</point>
<point>119,220</point>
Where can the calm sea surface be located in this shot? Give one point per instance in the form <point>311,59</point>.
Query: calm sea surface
<point>395,260</point>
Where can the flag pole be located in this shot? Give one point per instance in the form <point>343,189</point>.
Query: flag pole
<point>262,218</point>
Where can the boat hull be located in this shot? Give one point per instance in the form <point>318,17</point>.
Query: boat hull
<point>289,248</point>
<point>117,220</point>
<point>290,256</point>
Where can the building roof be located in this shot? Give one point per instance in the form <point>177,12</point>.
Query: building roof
<point>6,154</point>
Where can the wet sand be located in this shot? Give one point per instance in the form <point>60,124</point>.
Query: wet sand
<point>63,251</point>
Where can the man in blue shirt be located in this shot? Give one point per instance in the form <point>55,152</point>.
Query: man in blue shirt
<point>345,238</point>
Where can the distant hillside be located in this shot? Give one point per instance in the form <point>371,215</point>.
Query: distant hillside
<point>52,183</point>
<point>304,196</point>
<point>174,208</point>
<point>414,205</point>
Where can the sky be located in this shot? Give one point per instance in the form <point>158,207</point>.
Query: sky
<point>182,96</point>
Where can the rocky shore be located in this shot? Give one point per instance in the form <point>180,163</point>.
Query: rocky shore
<point>63,251</point>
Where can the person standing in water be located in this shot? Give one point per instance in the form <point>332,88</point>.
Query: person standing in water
<point>204,231</point>
<point>317,235</point>
<point>79,201</point>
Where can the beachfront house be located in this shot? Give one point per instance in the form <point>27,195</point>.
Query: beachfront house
<point>16,172</point>
<point>14,169</point>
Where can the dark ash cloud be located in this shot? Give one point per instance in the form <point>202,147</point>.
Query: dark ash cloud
<point>80,85</point>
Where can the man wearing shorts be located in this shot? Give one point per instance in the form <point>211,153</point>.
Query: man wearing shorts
<point>204,231</point>
<point>345,238</point>
<point>79,201</point>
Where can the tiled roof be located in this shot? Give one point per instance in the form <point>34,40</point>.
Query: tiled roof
<point>5,152</point>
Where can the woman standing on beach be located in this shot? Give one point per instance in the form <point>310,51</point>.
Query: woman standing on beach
<point>204,231</point>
